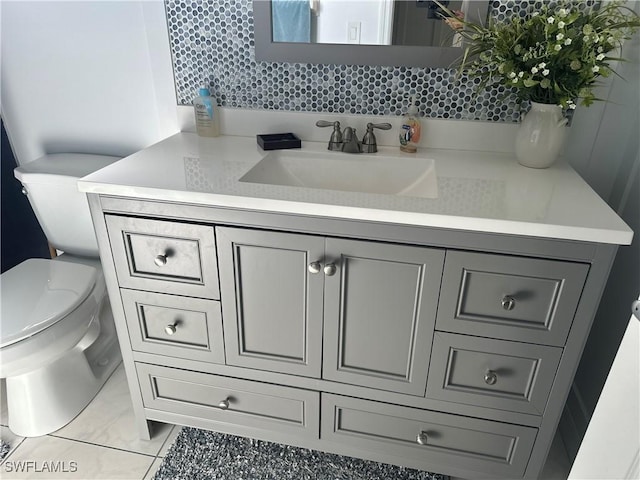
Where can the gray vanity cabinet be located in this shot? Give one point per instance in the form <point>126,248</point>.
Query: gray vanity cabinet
<point>446,351</point>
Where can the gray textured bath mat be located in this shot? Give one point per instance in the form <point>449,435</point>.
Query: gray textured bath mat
<point>203,455</point>
<point>4,449</point>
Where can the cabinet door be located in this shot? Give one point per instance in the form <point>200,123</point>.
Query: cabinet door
<point>380,307</point>
<point>271,302</point>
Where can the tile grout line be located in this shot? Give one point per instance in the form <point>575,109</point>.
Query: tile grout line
<point>99,445</point>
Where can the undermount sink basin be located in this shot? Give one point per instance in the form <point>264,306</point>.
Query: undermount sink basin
<point>413,177</point>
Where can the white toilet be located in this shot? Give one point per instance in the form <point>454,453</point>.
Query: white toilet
<point>57,337</point>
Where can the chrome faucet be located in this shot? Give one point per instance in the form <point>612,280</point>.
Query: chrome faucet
<point>349,142</point>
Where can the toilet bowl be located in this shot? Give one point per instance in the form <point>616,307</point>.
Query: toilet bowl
<point>57,342</point>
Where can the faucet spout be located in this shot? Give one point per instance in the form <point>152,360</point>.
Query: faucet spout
<point>351,143</point>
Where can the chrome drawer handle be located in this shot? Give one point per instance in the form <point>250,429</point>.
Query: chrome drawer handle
<point>171,329</point>
<point>508,302</point>
<point>422,438</point>
<point>314,267</point>
<point>224,404</point>
<point>491,377</point>
<point>330,270</point>
<point>160,260</point>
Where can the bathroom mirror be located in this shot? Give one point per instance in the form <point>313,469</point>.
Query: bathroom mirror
<point>360,32</point>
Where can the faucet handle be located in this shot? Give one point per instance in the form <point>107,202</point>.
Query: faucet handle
<point>369,144</point>
<point>325,123</point>
<point>381,126</point>
<point>335,142</point>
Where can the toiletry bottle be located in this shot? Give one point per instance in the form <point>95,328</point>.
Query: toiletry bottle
<point>206,110</point>
<point>410,130</point>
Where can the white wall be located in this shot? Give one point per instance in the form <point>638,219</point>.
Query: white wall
<point>85,76</point>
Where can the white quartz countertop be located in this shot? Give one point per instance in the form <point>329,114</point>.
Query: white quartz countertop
<point>476,191</point>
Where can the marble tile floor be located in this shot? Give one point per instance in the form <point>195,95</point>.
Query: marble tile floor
<point>100,443</point>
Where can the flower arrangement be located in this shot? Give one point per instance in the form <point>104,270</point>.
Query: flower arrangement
<point>553,55</point>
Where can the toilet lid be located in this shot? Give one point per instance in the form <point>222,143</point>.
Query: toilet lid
<point>38,292</point>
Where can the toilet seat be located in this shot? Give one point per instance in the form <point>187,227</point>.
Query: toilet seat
<point>37,293</point>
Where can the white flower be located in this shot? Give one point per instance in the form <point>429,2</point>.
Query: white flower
<point>567,41</point>
<point>535,14</point>
<point>563,12</point>
<point>551,19</point>
<point>600,49</point>
<point>557,48</point>
<point>542,65</point>
<point>545,72</point>
<point>515,80</point>
<point>520,74</point>
<point>585,39</point>
<point>595,69</point>
<point>572,106</point>
<point>600,57</point>
<point>560,36</point>
<point>512,75</point>
<point>611,40</point>
<point>596,39</point>
<point>534,70</point>
<point>561,24</point>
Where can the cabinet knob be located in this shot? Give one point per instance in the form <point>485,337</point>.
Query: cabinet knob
<point>508,302</point>
<point>314,267</point>
<point>170,329</point>
<point>491,377</point>
<point>422,438</point>
<point>224,404</point>
<point>160,260</point>
<point>330,270</point>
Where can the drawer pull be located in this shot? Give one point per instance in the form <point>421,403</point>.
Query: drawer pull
<point>160,260</point>
<point>490,378</point>
<point>224,404</point>
<point>315,267</point>
<point>422,438</point>
<point>330,270</point>
<point>171,329</point>
<point>508,302</point>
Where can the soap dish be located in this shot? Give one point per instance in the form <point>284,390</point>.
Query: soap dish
<point>278,141</point>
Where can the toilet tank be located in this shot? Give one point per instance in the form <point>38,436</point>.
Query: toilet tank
<point>50,184</point>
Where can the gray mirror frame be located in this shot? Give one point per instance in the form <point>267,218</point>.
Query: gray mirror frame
<point>377,55</point>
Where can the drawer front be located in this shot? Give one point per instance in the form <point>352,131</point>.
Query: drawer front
<point>510,298</point>
<point>493,448</point>
<point>492,373</point>
<point>164,256</point>
<point>176,326</point>
<point>230,401</point>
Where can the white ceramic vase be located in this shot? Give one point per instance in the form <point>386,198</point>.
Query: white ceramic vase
<point>540,136</point>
